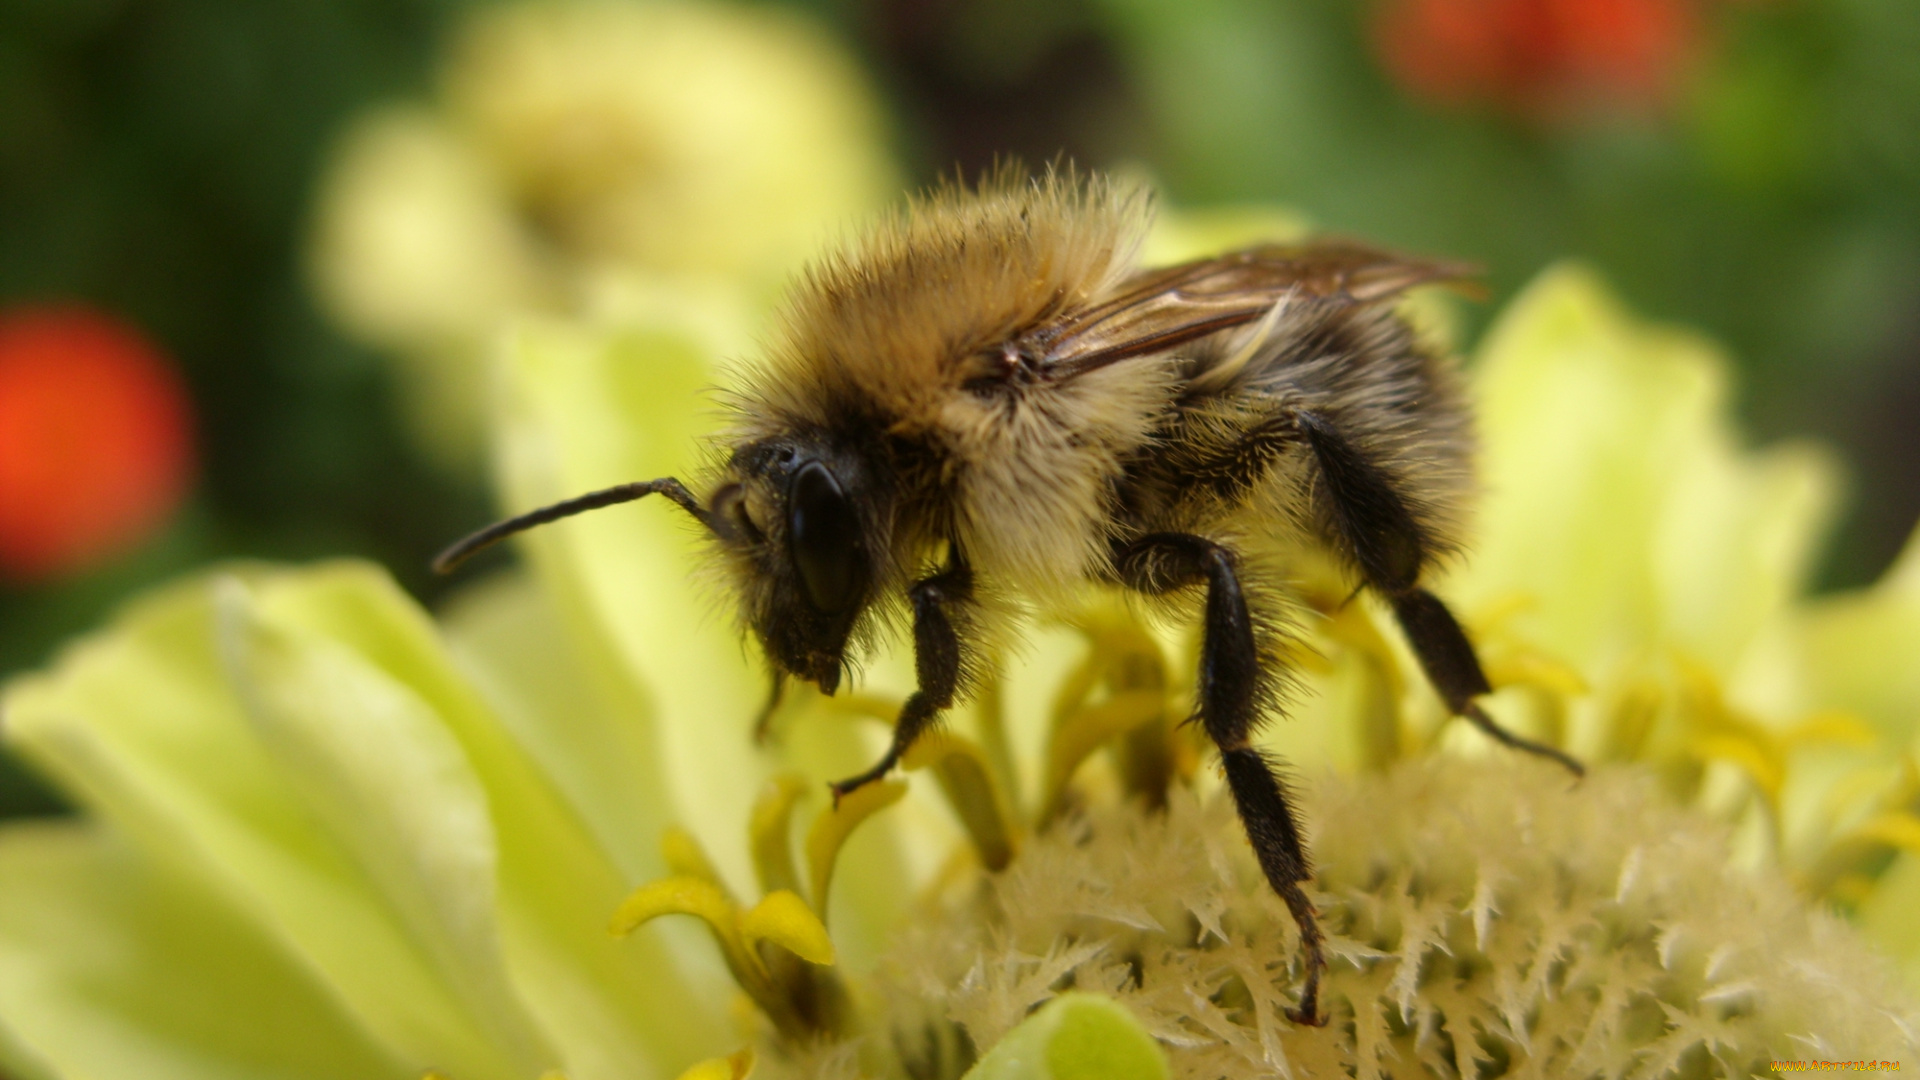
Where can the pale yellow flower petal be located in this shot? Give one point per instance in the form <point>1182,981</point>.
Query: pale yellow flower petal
<point>1854,652</point>
<point>570,708</point>
<point>1890,917</point>
<point>376,765</point>
<point>1859,651</point>
<point>1739,540</point>
<point>113,968</point>
<point>141,721</point>
<point>390,827</point>
<point>1617,498</point>
<point>609,1011</point>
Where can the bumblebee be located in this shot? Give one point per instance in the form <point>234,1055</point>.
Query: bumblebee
<point>983,405</point>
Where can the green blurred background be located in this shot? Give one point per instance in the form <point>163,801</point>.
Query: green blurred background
<point>1749,168</point>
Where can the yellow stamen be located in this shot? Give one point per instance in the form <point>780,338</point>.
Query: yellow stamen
<point>1384,738</point>
<point>680,895</point>
<point>784,919</point>
<point>801,1000</point>
<point>1849,867</point>
<point>1530,667</point>
<point>1752,756</point>
<point>990,713</point>
<point>1085,731</point>
<point>1851,890</point>
<point>1723,733</point>
<point>735,1066</point>
<point>1493,618</point>
<point>1895,828</point>
<point>831,829</point>
<point>1138,711</point>
<point>1832,726</point>
<point>966,778</point>
<point>770,833</point>
<point>677,895</point>
<point>1631,720</point>
<point>1123,653</point>
<point>871,706</point>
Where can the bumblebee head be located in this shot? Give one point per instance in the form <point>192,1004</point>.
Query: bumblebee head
<point>793,519</point>
<point>796,519</point>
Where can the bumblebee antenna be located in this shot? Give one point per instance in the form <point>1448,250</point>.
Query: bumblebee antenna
<point>673,489</point>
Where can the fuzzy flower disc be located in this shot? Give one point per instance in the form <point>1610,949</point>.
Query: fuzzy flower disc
<point>1486,918</point>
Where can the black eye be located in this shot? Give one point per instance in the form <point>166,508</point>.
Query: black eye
<point>824,535</point>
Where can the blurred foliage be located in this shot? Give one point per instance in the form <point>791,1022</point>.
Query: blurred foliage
<point>160,159</point>
<point>156,159</point>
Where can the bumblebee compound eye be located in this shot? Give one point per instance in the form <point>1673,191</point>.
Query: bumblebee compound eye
<point>823,532</point>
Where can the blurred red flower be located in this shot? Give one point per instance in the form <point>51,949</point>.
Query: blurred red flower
<point>96,447</point>
<point>1539,57</point>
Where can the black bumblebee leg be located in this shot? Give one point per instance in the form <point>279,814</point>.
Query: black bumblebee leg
<point>776,693</point>
<point>1379,533</point>
<point>936,662</point>
<point>1447,657</point>
<point>1230,700</point>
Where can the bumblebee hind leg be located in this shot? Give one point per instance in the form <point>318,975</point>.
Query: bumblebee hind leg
<point>1378,531</point>
<point>1230,700</point>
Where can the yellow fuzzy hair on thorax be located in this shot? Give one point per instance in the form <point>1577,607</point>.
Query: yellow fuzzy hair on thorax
<point>894,317</point>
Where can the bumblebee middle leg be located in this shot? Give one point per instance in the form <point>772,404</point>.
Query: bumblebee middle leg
<point>1379,533</point>
<point>1230,705</point>
<point>937,660</point>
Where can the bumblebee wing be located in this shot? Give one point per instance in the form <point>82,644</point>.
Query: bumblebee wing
<point>1159,309</point>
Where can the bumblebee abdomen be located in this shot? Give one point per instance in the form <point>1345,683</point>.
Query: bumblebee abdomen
<point>1334,387</point>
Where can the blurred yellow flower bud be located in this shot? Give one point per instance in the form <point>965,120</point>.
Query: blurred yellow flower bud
<point>678,137</point>
<point>577,151</point>
<point>419,247</point>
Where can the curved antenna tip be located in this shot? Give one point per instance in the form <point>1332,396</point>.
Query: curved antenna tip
<point>474,543</point>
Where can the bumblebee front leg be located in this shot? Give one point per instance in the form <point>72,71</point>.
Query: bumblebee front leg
<point>1378,532</point>
<point>1230,699</point>
<point>776,693</point>
<point>937,661</point>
